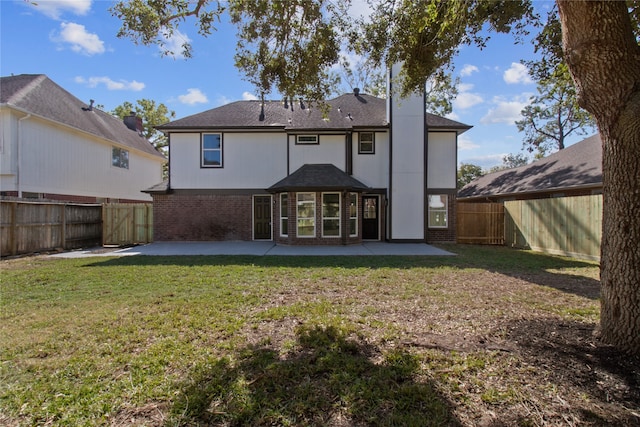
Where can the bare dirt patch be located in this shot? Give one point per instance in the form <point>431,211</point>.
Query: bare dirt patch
<point>534,337</point>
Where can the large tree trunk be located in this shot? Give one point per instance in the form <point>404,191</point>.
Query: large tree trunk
<point>604,60</point>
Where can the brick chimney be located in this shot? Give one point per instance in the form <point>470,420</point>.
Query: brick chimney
<point>133,122</point>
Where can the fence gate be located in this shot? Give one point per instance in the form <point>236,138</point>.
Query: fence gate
<point>127,224</point>
<point>480,223</point>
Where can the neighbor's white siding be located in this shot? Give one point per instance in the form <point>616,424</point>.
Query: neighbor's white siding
<point>330,150</point>
<point>250,161</point>
<point>60,160</point>
<point>8,136</point>
<point>442,152</point>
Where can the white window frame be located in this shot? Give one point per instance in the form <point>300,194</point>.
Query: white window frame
<point>307,140</point>
<point>117,159</point>
<point>300,203</point>
<point>284,218</point>
<point>434,207</point>
<point>372,142</point>
<point>353,215</point>
<point>203,149</point>
<point>332,218</point>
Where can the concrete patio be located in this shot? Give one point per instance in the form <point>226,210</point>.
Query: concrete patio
<point>260,249</point>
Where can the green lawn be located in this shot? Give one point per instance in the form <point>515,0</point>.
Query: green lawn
<point>489,334</point>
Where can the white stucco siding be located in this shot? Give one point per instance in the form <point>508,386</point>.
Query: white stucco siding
<point>441,164</point>
<point>8,129</point>
<point>55,159</point>
<point>331,149</point>
<point>372,169</point>
<point>407,206</point>
<point>249,160</point>
<point>407,168</point>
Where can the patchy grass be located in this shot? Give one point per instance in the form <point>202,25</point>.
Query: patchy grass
<point>486,337</point>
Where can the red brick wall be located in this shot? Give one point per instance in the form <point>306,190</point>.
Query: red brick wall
<point>202,217</point>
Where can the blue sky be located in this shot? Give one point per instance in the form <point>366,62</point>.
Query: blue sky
<point>74,43</point>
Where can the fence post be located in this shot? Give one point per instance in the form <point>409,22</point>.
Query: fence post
<point>13,241</point>
<point>63,232</point>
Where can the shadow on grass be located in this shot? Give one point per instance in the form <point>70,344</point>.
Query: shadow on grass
<point>326,379</point>
<point>567,351</point>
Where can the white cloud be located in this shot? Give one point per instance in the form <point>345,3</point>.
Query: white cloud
<point>466,100</point>
<point>172,45</point>
<point>111,84</point>
<point>485,162</point>
<point>194,96</point>
<point>518,73</point>
<point>468,69</point>
<point>465,143</point>
<point>506,111</point>
<point>248,96</point>
<point>55,8</point>
<point>79,38</point>
<point>222,100</point>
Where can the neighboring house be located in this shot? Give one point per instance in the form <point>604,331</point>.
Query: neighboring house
<point>574,171</point>
<point>53,146</point>
<point>365,169</point>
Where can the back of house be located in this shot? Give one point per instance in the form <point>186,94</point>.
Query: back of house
<point>355,168</point>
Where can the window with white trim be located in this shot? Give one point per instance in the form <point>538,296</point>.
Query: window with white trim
<point>438,210</point>
<point>120,158</point>
<point>366,143</point>
<point>331,205</point>
<point>211,145</point>
<point>307,139</point>
<point>284,214</point>
<point>306,214</point>
<point>353,214</point>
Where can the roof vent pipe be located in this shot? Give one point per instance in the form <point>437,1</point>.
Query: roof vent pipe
<point>356,91</point>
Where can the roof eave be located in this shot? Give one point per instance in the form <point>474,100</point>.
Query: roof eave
<point>534,192</point>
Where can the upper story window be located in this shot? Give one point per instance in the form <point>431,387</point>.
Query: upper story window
<point>211,156</point>
<point>366,143</point>
<point>120,158</point>
<point>307,139</point>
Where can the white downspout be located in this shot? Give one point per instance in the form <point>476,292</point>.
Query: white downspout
<point>19,153</point>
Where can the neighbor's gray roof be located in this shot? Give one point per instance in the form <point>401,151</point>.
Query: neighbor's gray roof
<point>318,177</point>
<point>577,166</point>
<point>38,95</point>
<point>344,112</point>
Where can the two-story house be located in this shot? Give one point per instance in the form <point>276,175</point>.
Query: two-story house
<point>364,168</point>
<point>54,146</point>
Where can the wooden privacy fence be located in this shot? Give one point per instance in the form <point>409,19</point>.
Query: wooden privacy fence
<point>480,223</point>
<point>570,226</point>
<point>126,224</point>
<point>28,227</point>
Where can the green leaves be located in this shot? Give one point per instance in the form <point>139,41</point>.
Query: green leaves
<point>287,46</point>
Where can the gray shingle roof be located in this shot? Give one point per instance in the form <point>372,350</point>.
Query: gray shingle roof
<point>577,166</point>
<point>318,177</point>
<point>40,96</point>
<point>344,113</point>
